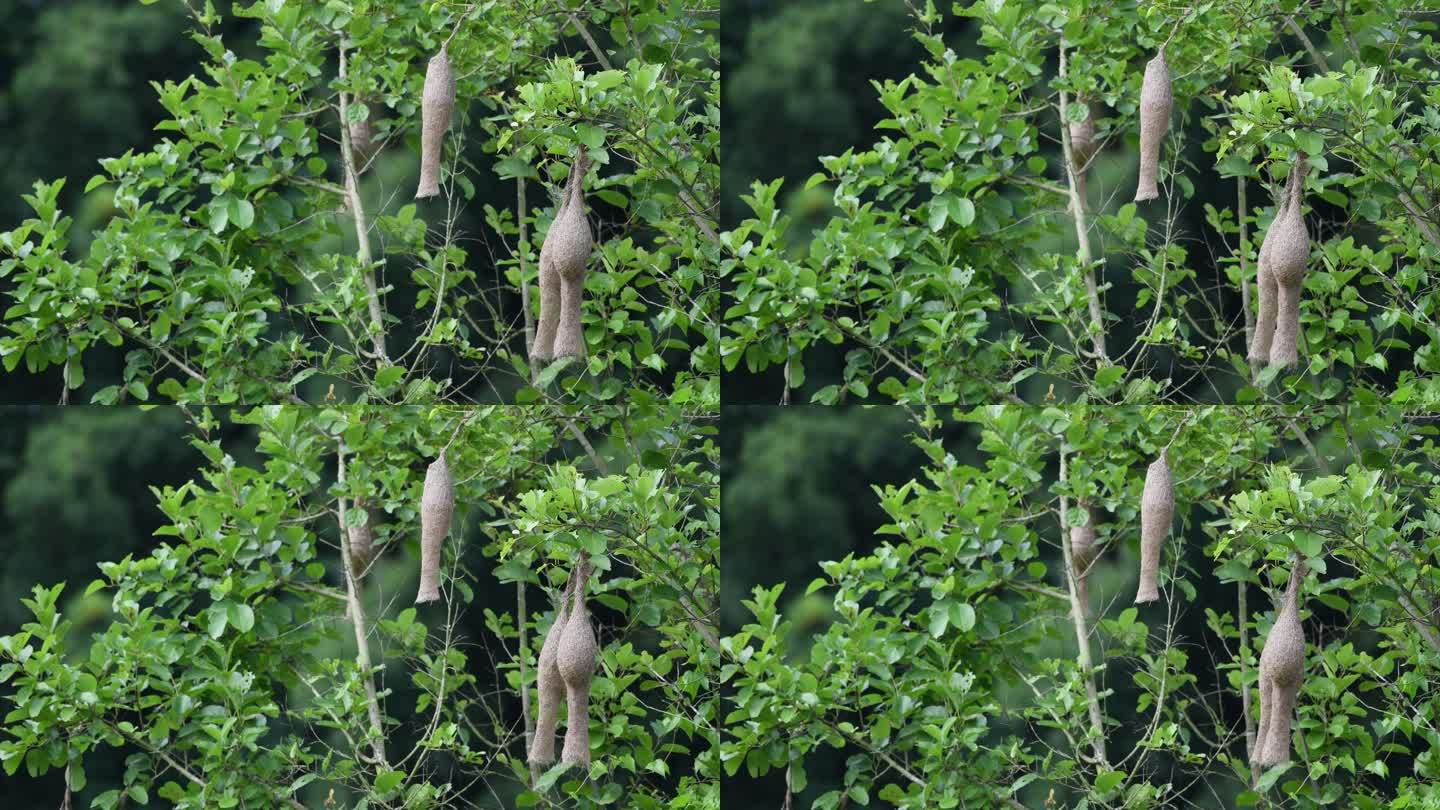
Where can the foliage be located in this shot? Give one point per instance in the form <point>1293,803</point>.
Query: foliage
<point>951,271</point>
<point>223,276</point>
<point>951,678</point>
<point>227,674</point>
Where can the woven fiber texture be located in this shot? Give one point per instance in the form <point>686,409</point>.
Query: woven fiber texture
<point>575,658</point>
<point>437,506</point>
<point>1282,667</point>
<point>550,688</point>
<point>1157,507</point>
<point>436,106</point>
<point>1156,102</point>
<point>1281,272</point>
<point>563,256</point>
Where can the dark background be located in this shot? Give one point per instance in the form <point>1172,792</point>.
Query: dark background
<point>75,492</point>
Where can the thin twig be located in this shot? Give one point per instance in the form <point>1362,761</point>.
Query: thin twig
<point>589,40</point>
<point>458,23</point>
<point>595,458</point>
<point>1309,46</point>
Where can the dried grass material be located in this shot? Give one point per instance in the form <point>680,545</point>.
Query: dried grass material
<point>549,687</point>
<point>1282,667</point>
<point>1157,508</point>
<point>1280,271</point>
<point>437,506</point>
<point>575,658</point>
<point>563,256</point>
<point>437,105</point>
<point>362,539</point>
<point>1156,102</point>
<point>1083,552</point>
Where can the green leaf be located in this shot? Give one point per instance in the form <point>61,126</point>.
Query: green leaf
<point>241,617</point>
<point>962,616</point>
<point>219,218</point>
<point>938,213</point>
<point>387,781</point>
<point>606,79</point>
<point>76,772</point>
<point>961,210</point>
<point>218,622</point>
<point>242,213</point>
<point>1108,781</point>
<point>387,377</point>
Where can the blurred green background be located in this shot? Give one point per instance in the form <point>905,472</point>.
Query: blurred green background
<point>75,88</point>
<point>75,491</point>
<point>798,86</point>
<point>799,488</point>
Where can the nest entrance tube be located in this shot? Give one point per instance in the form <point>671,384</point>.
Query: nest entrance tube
<point>437,506</point>
<point>563,255</point>
<point>549,687</point>
<point>1157,508</point>
<point>1280,271</point>
<point>436,106</point>
<point>1156,102</point>
<point>575,659</point>
<point>1282,668</point>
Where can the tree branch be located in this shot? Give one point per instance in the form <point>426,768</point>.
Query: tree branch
<point>589,40</point>
<point>1244,275</point>
<point>362,230</point>
<point>357,618</point>
<point>1309,46</point>
<point>520,207</point>
<point>1082,230</point>
<point>1082,633</point>
<point>521,614</point>
<point>1245,683</point>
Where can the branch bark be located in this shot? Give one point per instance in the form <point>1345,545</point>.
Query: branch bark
<point>362,230</point>
<point>1245,682</point>
<point>1082,632</point>
<point>1244,273</point>
<point>1309,46</point>
<point>1077,209</point>
<point>362,634</point>
<point>520,207</point>
<point>589,40</point>
<point>521,614</point>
